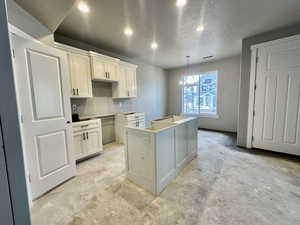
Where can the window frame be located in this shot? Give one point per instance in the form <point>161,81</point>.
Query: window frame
<point>207,115</point>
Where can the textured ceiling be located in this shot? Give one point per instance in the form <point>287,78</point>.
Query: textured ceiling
<point>49,12</point>
<point>226,23</point>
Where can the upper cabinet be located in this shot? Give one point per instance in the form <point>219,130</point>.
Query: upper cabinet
<point>86,67</point>
<point>104,68</point>
<point>80,72</point>
<point>127,85</point>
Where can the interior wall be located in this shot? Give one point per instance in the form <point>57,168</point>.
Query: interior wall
<point>228,90</point>
<point>151,86</point>
<point>245,73</point>
<point>21,19</point>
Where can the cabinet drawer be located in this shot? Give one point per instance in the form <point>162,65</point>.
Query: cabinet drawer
<point>80,126</point>
<point>137,123</point>
<point>135,117</point>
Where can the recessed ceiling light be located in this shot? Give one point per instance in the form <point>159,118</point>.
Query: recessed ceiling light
<point>181,3</point>
<point>128,31</point>
<point>83,7</point>
<point>154,45</point>
<point>200,28</point>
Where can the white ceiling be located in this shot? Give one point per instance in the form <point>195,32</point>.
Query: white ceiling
<point>226,23</point>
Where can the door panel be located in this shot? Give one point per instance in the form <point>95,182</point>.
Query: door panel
<point>45,85</point>
<point>270,109</point>
<point>52,152</point>
<point>292,111</point>
<point>277,98</point>
<point>42,77</point>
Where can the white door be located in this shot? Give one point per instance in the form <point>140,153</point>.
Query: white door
<point>43,88</point>
<point>80,73</point>
<point>277,98</point>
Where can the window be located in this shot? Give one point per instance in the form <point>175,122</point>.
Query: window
<point>200,94</point>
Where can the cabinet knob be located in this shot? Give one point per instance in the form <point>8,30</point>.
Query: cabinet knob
<point>77,91</point>
<point>68,122</point>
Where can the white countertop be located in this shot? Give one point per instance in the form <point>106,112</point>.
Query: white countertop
<point>96,116</point>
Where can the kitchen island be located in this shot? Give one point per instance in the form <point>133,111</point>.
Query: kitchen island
<point>155,155</point>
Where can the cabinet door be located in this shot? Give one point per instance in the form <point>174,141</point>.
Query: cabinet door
<point>93,141</point>
<point>112,69</point>
<point>192,138</point>
<point>78,145</point>
<point>122,89</point>
<point>99,69</point>
<point>131,82</point>
<point>181,144</point>
<point>80,75</point>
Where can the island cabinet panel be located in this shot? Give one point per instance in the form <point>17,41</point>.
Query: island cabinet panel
<point>140,164</point>
<point>155,155</point>
<point>181,145</point>
<point>166,160</point>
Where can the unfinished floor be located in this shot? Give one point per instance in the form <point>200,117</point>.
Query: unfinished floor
<point>224,185</point>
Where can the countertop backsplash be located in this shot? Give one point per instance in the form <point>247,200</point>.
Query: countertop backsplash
<point>102,102</point>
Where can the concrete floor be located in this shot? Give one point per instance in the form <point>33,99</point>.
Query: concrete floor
<point>224,185</point>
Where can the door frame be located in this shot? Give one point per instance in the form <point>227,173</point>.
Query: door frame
<point>11,129</point>
<point>253,73</point>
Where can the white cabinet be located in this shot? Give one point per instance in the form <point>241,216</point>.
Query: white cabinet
<point>123,120</point>
<point>155,155</point>
<point>181,145</point>
<point>80,74</point>
<point>87,138</point>
<point>80,71</point>
<point>104,68</point>
<point>186,133</point>
<point>127,85</point>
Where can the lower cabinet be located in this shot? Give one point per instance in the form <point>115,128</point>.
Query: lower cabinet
<point>181,145</point>
<point>87,138</point>
<point>136,119</point>
<point>156,155</point>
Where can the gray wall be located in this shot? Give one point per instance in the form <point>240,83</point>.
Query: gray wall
<point>151,85</point>
<point>245,73</point>
<point>228,89</point>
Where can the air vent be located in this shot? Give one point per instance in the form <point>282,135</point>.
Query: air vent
<point>208,57</point>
